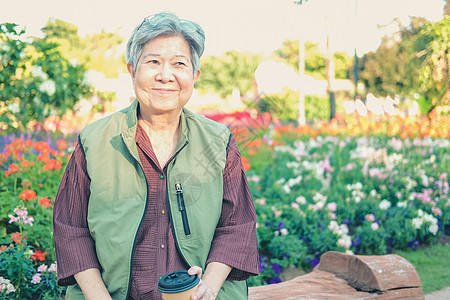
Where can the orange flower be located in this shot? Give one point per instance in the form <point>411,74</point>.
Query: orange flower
<point>45,202</point>
<point>25,163</point>
<point>2,248</point>
<point>3,158</point>
<point>13,168</point>
<point>17,238</point>
<point>43,157</point>
<point>6,173</point>
<point>39,255</point>
<point>245,163</point>
<point>62,145</point>
<point>52,164</point>
<point>28,195</point>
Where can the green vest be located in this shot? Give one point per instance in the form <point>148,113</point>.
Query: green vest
<point>118,200</point>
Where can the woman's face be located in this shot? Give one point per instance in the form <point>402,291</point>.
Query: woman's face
<point>164,77</point>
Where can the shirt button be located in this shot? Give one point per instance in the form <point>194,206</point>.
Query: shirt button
<point>162,176</point>
<point>162,246</point>
<point>163,212</point>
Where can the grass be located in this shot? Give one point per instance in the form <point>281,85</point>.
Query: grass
<point>432,264</point>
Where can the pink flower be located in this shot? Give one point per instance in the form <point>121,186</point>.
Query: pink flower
<point>295,205</point>
<point>22,217</point>
<point>36,278</point>
<point>370,217</point>
<point>42,268</point>
<point>284,231</point>
<point>52,268</point>
<point>374,226</point>
<point>437,211</point>
<point>325,165</point>
<point>349,167</point>
<point>332,206</point>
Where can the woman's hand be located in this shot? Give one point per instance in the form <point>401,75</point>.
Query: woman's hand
<point>212,281</point>
<point>203,292</point>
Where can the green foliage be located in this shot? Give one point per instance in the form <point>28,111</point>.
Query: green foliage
<point>317,108</point>
<point>36,79</point>
<point>222,75</point>
<point>282,107</point>
<point>413,61</point>
<point>97,52</point>
<point>314,60</point>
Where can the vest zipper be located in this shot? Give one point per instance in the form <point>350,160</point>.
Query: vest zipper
<point>170,211</point>
<point>182,208</point>
<point>139,227</point>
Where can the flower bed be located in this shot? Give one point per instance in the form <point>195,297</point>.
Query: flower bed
<point>352,185</point>
<point>30,175</point>
<point>362,195</point>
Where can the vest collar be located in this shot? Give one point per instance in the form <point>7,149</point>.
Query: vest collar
<point>129,127</point>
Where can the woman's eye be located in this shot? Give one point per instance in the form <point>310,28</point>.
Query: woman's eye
<point>153,61</point>
<point>180,63</point>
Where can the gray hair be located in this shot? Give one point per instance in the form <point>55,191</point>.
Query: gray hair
<point>166,24</point>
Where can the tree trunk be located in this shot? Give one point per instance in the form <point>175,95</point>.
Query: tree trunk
<point>447,8</point>
<point>301,73</point>
<point>329,69</point>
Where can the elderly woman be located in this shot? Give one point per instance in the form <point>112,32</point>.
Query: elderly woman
<point>156,188</point>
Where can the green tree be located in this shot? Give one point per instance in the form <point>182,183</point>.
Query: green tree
<point>432,48</point>
<point>98,51</point>
<point>36,79</point>
<point>314,59</point>
<point>413,61</point>
<point>222,75</point>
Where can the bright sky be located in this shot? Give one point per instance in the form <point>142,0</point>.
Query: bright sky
<point>258,26</point>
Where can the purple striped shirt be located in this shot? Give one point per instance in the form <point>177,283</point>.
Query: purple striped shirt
<point>155,252</point>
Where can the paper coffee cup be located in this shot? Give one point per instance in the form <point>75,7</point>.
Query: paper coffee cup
<point>178,285</point>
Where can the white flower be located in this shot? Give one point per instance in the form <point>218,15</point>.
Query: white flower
<point>345,242</point>
<point>284,231</point>
<point>48,87</point>
<point>433,229</point>
<point>38,73</point>
<point>14,108</point>
<point>417,222</point>
<point>385,204</point>
<point>402,204</point>
<point>301,200</point>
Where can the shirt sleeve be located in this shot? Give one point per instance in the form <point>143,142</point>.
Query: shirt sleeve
<point>235,242</point>
<point>74,246</point>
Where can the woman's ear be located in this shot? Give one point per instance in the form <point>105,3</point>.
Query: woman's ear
<point>131,70</point>
<point>196,75</point>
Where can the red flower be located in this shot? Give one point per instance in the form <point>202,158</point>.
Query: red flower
<point>25,163</point>
<point>52,164</point>
<point>28,195</point>
<point>62,145</point>
<point>45,202</point>
<point>2,248</point>
<point>13,168</point>
<point>6,173</point>
<point>17,238</point>
<point>245,163</point>
<point>39,255</point>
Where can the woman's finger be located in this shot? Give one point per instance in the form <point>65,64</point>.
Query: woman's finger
<point>195,270</point>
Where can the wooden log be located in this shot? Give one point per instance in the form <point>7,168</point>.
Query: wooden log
<point>343,276</point>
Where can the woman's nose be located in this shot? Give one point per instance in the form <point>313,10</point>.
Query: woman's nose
<point>165,73</point>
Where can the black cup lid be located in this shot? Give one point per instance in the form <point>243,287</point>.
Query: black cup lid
<point>177,282</point>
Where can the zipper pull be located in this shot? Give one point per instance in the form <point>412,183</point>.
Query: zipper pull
<point>182,208</point>
<point>180,198</point>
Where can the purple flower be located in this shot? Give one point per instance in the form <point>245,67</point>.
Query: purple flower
<point>315,262</point>
<point>346,222</point>
<point>277,268</point>
<point>280,225</point>
<point>275,279</point>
